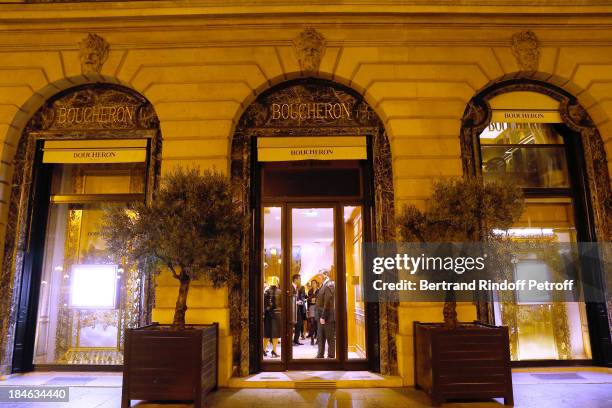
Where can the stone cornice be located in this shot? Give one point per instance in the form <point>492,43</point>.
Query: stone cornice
<point>124,23</point>
<point>228,31</point>
<point>99,10</point>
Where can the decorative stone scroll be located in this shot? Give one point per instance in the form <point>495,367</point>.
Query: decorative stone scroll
<point>525,50</point>
<point>96,107</point>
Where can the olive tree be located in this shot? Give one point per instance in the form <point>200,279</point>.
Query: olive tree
<point>462,210</point>
<point>191,228</point>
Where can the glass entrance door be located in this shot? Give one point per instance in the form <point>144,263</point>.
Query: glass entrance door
<point>313,293</point>
<point>313,314</point>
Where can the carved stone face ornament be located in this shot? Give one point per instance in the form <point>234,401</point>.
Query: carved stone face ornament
<point>309,47</point>
<point>578,116</point>
<point>525,50</point>
<point>93,53</point>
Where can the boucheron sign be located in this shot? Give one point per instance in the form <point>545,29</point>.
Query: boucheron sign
<point>309,111</point>
<point>271,149</point>
<point>95,114</point>
<point>95,151</point>
<point>95,108</point>
<point>525,116</point>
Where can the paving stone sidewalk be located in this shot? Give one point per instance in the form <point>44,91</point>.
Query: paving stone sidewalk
<point>530,391</point>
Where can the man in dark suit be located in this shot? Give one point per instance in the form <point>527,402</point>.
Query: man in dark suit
<point>311,297</point>
<point>299,293</point>
<point>326,310</point>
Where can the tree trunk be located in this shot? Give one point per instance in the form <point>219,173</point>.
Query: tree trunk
<point>450,314</point>
<point>181,303</point>
<point>450,299</point>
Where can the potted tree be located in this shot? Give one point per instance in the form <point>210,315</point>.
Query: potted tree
<point>191,229</point>
<point>462,360</point>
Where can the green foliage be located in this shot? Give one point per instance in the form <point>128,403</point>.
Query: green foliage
<point>192,227</point>
<point>462,210</point>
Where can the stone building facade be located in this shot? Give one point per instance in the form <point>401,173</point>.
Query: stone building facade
<point>426,73</point>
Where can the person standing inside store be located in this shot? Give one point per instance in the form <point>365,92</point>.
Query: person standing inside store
<point>312,311</point>
<point>272,316</point>
<point>326,310</point>
<point>300,308</point>
<point>306,325</point>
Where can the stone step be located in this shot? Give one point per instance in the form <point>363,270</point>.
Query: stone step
<point>316,380</point>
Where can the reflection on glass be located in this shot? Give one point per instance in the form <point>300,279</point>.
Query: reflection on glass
<point>86,300</point>
<point>528,166</point>
<point>353,236</point>
<point>532,154</point>
<point>540,328</point>
<point>68,322</point>
<point>116,178</point>
<point>508,133</point>
<point>272,274</point>
<point>313,272</point>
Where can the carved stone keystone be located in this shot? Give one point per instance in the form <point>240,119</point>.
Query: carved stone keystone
<point>525,50</point>
<point>309,47</point>
<point>93,53</point>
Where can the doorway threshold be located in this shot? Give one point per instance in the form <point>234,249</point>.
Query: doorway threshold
<point>315,379</point>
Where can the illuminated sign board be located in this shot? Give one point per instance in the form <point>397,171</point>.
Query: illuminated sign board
<point>271,149</point>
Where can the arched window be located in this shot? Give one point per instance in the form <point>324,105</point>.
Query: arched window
<point>85,149</point>
<point>531,134</point>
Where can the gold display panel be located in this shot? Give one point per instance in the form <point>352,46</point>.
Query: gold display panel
<point>541,330</point>
<point>355,306</point>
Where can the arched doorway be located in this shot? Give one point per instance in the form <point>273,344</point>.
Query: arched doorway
<point>310,153</point>
<point>86,148</point>
<point>542,138</point>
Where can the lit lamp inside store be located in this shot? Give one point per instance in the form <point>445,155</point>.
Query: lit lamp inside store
<point>93,286</point>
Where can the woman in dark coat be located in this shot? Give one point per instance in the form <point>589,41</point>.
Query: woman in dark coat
<point>272,317</point>
<point>312,315</point>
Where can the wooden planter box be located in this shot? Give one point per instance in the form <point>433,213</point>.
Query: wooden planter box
<point>161,364</point>
<point>470,362</point>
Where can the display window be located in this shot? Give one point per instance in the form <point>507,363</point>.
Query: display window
<point>87,297</point>
<point>525,142</point>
